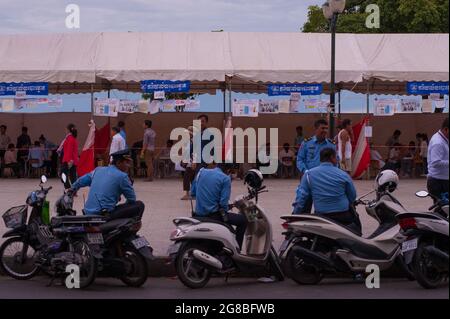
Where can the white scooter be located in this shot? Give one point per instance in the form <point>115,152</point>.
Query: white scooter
<point>427,247</point>
<point>316,246</point>
<point>203,247</point>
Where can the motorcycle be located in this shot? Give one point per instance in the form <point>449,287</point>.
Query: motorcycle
<point>316,246</point>
<point>119,251</point>
<point>203,247</point>
<point>35,245</point>
<point>427,247</point>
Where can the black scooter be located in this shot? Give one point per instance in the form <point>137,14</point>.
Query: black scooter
<point>120,252</point>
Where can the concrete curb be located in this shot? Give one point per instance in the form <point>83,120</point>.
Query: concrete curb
<point>163,267</point>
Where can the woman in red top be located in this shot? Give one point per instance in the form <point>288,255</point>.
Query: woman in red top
<point>70,153</point>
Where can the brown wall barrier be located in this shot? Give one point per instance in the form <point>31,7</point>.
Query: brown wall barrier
<point>52,125</point>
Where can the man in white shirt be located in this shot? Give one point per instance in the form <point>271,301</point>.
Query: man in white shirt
<point>118,142</point>
<point>438,166</point>
<point>345,150</point>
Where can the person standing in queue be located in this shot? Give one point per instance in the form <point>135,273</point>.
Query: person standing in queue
<point>308,156</point>
<point>148,149</point>
<point>438,165</point>
<point>70,153</point>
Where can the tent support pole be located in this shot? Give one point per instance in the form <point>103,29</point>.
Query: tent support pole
<point>339,104</point>
<point>92,101</point>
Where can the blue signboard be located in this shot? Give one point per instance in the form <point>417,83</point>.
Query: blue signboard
<point>166,86</point>
<point>27,89</point>
<point>427,88</point>
<point>288,89</point>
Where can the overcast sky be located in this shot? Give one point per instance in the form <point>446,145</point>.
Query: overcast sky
<point>19,16</point>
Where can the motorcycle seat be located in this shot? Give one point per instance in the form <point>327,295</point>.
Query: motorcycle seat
<point>214,221</point>
<point>114,224</point>
<point>77,220</point>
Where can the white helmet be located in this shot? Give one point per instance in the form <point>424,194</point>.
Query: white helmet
<point>387,180</point>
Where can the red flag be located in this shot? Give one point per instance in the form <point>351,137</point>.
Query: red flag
<point>361,154</point>
<point>87,157</point>
<point>102,139</point>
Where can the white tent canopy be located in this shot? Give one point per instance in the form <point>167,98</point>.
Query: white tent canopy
<point>71,62</point>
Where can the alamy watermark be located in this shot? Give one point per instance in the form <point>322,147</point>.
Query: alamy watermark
<point>73,279</point>
<point>373,20</point>
<point>210,146</point>
<point>73,17</point>
<point>373,278</point>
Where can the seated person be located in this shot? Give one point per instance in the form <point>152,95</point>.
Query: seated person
<point>163,160</point>
<point>331,191</point>
<point>408,160</point>
<point>11,160</point>
<point>376,156</point>
<point>394,160</point>
<point>212,189</point>
<point>36,156</point>
<point>107,185</point>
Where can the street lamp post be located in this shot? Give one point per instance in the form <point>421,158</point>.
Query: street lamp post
<point>331,10</point>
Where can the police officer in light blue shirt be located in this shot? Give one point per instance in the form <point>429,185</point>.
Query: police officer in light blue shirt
<point>330,189</point>
<point>308,155</point>
<point>212,190</point>
<point>107,185</point>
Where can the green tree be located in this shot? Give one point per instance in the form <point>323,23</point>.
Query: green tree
<point>396,16</point>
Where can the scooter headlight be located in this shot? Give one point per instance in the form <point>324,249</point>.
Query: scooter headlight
<point>177,233</point>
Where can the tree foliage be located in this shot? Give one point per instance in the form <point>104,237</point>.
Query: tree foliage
<point>396,16</point>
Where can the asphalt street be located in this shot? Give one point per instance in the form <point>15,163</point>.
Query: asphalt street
<point>235,288</point>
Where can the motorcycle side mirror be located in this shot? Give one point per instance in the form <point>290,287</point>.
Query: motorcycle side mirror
<point>63,178</point>
<point>422,194</point>
<point>43,179</point>
<point>65,181</point>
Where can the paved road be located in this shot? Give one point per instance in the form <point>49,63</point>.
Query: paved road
<point>163,204</point>
<point>171,288</point>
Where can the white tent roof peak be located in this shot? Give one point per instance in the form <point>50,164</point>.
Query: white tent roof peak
<point>129,57</point>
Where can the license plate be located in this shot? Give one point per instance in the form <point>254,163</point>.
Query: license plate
<point>410,245</point>
<point>95,239</point>
<point>284,246</point>
<point>140,242</point>
<point>174,249</point>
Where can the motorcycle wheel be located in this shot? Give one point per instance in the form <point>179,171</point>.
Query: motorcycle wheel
<point>425,272</point>
<point>12,261</point>
<point>139,269</point>
<point>191,272</point>
<point>301,271</point>
<point>275,265</point>
<point>89,267</point>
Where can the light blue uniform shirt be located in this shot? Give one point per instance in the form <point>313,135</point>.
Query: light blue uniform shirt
<point>308,156</point>
<point>330,189</point>
<point>438,157</point>
<point>107,185</point>
<point>212,189</point>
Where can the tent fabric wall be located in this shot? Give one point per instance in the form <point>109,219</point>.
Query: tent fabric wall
<point>127,58</point>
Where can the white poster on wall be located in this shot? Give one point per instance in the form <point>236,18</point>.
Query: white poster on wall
<point>385,107</point>
<point>245,108</point>
<point>128,106</point>
<point>55,102</point>
<point>410,105</point>
<point>283,106</point>
<point>168,106</point>
<point>154,107</point>
<point>106,107</point>
<point>269,106</point>
<point>7,105</point>
<point>427,106</point>
<point>192,105</point>
<point>143,106</point>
